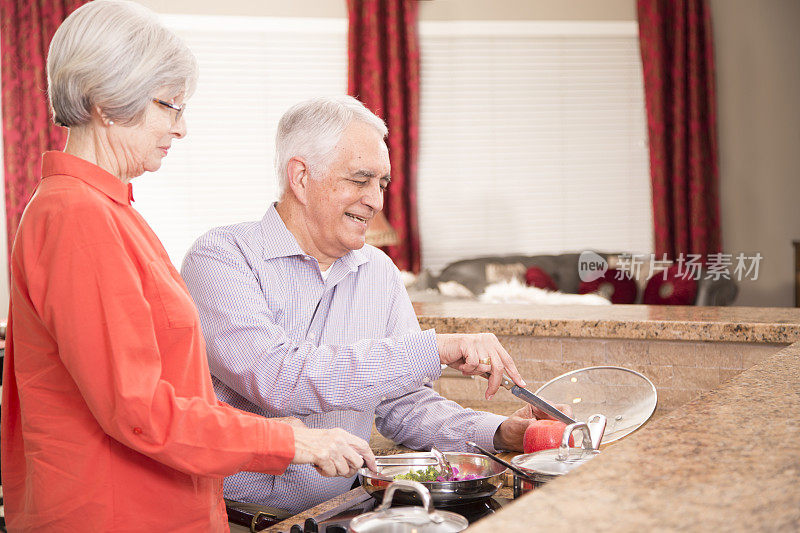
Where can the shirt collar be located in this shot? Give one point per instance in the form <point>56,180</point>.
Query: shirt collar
<point>63,164</point>
<point>280,242</point>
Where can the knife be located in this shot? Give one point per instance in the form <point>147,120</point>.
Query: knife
<point>531,398</point>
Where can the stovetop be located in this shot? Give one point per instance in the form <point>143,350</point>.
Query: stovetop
<point>337,520</point>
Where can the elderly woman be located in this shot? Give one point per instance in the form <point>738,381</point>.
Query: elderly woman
<point>109,420</point>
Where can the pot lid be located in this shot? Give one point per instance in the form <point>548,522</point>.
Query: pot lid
<point>410,519</point>
<point>626,398</point>
<point>548,461</point>
<point>423,519</point>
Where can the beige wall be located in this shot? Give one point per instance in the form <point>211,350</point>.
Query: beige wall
<point>261,8</point>
<point>758,94</point>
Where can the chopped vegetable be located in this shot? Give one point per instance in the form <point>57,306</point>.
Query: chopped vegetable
<point>434,474</point>
<point>429,474</point>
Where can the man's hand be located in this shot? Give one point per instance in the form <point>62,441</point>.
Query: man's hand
<point>510,434</point>
<point>478,353</point>
<point>333,452</point>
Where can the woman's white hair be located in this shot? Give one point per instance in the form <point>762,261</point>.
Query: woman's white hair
<point>311,129</point>
<point>114,54</point>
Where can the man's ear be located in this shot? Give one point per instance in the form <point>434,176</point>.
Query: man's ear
<point>298,175</point>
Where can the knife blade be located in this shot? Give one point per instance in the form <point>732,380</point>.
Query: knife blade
<point>531,398</point>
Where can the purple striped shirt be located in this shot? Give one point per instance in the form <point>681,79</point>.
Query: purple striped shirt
<point>339,352</point>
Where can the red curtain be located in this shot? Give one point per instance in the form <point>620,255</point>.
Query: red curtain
<point>383,54</point>
<point>678,62</point>
<point>28,130</point>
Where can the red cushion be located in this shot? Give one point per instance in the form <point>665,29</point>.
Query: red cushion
<point>616,285</point>
<point>536,277</point>
<point>676,289</point>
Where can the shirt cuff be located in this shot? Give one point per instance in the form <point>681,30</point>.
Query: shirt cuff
<point>423,355</point>
<point>276,449</point>
<point>486,429</point>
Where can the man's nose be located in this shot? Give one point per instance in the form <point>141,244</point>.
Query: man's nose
<point>374,197</point>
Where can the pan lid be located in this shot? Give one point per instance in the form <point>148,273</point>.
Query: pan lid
<point>626,397</point>
<point>547,461</point>
<point>559,461</point>
<point>423,519</point>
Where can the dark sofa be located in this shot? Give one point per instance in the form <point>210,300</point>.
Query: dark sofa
<point>563,269</point>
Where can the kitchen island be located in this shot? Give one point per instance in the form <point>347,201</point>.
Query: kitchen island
<point>723,449</point>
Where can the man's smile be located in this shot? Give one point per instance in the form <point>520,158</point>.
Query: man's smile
<point>357,218</point>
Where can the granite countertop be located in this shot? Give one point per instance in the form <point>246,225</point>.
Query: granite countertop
<point>730,324</point>
<point>727,461</point>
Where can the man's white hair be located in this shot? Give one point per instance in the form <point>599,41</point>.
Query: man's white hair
<point>311,129</point>
<point>114,54</point>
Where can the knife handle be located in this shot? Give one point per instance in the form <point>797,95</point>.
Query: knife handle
<point>506,383</point>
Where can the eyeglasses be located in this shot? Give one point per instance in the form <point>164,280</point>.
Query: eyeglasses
<point>178,109</point>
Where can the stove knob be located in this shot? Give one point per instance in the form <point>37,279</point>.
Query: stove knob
<point>335,529</point>
<point>296,529</point>
<point>311,526</point>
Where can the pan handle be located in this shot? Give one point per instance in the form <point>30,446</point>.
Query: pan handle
<point>563,450</point>
<point>503,462</point>
<point>406,461</point>
<point>597,427</point>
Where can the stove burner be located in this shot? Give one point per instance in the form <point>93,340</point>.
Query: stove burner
<point>476,510</point>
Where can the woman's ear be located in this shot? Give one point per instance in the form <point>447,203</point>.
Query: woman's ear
<point>297,172</point>
<point>100,114</point>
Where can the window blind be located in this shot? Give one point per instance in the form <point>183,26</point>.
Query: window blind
<point>251,70</point>
<point>532,140</point>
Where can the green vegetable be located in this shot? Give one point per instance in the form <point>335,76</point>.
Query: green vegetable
<point>429,474</point>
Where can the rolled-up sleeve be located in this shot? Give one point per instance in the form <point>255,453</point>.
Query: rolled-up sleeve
<point>422,418</point>
<point>250,352</point>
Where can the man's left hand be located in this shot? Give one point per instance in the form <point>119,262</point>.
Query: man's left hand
<point>511,433</point>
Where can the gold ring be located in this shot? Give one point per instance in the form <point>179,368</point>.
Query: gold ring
<point>485,361</point>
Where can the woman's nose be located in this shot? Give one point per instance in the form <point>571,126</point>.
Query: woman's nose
<point>179,128</point>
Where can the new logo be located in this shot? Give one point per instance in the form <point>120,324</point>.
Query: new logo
<point>591,266</point>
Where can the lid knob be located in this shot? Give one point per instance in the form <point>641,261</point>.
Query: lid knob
<point>411,486</point>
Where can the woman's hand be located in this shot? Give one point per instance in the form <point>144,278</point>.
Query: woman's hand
<point>292,421</point>
<point>478,353</point>
<point>333,452</point>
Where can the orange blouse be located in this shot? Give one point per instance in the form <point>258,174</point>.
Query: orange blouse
<point>109,419</point>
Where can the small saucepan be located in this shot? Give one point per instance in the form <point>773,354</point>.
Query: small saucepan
<point>546,465</point>
<point>425,519</point>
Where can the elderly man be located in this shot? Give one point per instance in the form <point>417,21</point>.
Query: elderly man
<point>302,319</point>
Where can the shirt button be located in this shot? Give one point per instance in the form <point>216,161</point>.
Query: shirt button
<point>426,380</point>
<point>383,398</point>
<point>137,431</point>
